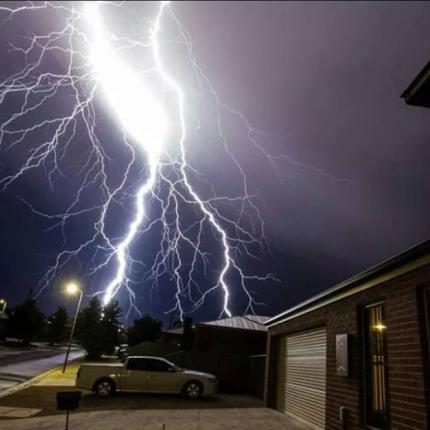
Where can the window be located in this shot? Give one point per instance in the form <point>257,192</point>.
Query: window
<point>136,364</point>
<point>149,365</point>
<point>157,366</point>
<point>375,367</point>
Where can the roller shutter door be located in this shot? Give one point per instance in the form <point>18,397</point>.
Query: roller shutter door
<point>302,373</point>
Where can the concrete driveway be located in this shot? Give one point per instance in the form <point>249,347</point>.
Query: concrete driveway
<point>167,419</point>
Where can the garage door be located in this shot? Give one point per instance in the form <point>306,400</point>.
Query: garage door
<point>302,374</point>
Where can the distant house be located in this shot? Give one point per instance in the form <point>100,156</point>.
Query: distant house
<point>181,337</point>
<point>240,334</point>
<point>231,348</point>
<point>173,336</point>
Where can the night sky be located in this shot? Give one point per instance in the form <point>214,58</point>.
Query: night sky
<point>322,82</point>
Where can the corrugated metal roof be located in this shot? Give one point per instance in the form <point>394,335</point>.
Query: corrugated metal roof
<point>260,319</point>
<point>247,322</point>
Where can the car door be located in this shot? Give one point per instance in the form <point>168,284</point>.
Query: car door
<point>134,376</point>
<point>162,376</point>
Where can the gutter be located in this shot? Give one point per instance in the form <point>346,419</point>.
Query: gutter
<point>407,261</point>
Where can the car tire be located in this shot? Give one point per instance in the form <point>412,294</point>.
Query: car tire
<point>193,389</point>
<point>104,388</point>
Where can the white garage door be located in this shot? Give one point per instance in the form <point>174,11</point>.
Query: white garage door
<point>302,376</point>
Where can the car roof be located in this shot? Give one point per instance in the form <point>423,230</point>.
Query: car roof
<point>147,356</point>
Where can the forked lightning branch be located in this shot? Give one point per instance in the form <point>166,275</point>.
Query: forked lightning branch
<point>155,131</point>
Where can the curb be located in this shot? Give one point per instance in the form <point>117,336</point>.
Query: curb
<point>27,383</point>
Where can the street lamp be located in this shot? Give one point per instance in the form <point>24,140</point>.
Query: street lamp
<point>3,305</point>
<point>72,289</point>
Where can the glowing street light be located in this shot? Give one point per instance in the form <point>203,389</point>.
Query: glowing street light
<point>72,288</point>
<point>3,304</point>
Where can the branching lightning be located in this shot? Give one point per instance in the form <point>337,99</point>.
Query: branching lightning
<point>149,105</point>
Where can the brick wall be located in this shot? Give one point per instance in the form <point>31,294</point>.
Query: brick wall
<point>408,376</point>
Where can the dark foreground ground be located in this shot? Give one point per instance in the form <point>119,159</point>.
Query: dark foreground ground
<point>44,398</point>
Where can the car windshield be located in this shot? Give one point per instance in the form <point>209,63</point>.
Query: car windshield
<point>179,369</point>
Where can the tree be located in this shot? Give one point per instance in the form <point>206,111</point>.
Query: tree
<point>110,327</point>
<point>26,321</point>
<point>97,329</point>
<point>144,329</point>
<point>58,326</point>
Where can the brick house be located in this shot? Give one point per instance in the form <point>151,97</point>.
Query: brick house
<point>357,355</point>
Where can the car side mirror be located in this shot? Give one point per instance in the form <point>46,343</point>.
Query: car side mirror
<point>171,369</point>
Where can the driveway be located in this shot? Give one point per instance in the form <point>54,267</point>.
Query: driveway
<point>168,419</point>
<point>136,410</point>
<point>42,399</point>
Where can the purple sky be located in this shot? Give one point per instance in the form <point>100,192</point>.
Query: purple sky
<point>323,81</point>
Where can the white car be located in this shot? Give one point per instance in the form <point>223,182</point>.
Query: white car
<point>146,375</point>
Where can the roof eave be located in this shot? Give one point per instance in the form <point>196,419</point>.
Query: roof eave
<point>415,252</point>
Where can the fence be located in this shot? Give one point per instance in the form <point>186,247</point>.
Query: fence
<point>236,373</point>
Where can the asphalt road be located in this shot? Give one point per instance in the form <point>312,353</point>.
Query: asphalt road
<point>20,364</point>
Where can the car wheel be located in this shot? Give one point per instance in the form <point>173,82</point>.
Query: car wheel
<point>105,388</point>
<point>193,390</point>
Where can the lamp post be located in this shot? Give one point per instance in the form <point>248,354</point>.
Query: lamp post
<point>3,305</point>
<point>72,289</point>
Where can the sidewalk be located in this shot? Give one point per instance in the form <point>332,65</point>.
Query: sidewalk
<point>193,419</point>
<point>57,378</point>
<point>18,372</point>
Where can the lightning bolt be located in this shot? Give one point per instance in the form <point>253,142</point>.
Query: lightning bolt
<point>197,235</point>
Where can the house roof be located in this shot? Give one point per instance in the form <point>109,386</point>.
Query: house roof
<point>418,92</point>
<point>246,322</point>
<point>179,330</point>
<point>416,253</point>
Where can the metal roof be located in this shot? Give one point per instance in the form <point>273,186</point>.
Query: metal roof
<point>179,330</point>
<point>420,250</point>
<point>246,322</point>
<point>260,319</point>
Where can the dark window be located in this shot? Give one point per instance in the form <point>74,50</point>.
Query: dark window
<point>136,364</point>
<point>157,366</point>
<point>375,370</point>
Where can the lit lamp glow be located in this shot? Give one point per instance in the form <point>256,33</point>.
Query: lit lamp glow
<point>72,288</point>
<point>379,327</point>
